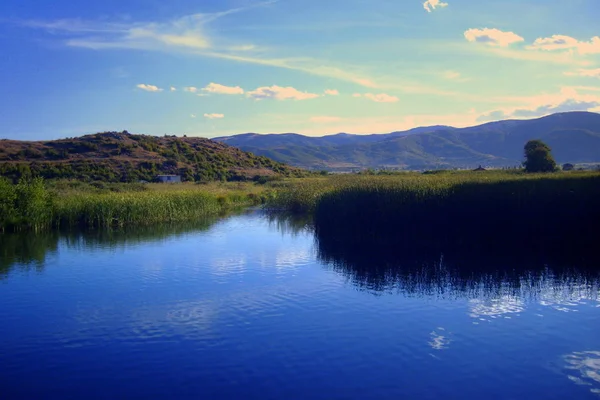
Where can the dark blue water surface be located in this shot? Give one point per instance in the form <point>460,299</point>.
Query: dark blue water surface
<point>253,306</point>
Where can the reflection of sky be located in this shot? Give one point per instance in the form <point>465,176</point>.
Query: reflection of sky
<point>495,308</point>
<point>565,297</point>
<point>439,339</point>
<point>584,369</point>
<point>558,295</point>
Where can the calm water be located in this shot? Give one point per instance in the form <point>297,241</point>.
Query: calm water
<point>256,307</point>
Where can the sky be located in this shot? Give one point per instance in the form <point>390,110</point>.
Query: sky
<point>219,67</point>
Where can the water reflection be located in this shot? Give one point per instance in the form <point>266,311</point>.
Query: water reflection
<point>439,339</point>
<point>497,284</point>
<point>290,224</point>
<point>584,369</point>
<point>30,250</point>
<point>26,250</point>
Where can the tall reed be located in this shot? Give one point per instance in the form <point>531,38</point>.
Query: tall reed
<point>31,205</point>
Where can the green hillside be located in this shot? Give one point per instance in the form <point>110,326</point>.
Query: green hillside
<point>124,157</point>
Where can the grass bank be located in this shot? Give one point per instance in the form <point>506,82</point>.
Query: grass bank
<point>35,205</point>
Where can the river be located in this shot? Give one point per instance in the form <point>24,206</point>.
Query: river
<point>255,306</point>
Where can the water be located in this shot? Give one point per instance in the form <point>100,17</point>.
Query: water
<point>254,307</point>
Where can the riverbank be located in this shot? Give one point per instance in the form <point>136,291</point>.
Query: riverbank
<point>352,207</point>
<point>39,205</point>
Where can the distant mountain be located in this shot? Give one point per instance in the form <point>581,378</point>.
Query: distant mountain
<point>574,137</point>
<point>120,156</point>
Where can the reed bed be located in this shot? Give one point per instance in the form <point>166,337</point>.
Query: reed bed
<point>35,206</point>
<point>451,211</point>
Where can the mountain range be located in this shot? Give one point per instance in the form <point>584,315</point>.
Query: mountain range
<point>574,137</point>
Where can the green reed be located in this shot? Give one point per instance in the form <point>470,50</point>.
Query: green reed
<point>32,205</point>
<point>461,205</point>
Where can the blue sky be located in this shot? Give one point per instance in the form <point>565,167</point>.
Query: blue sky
<point>211,68</point>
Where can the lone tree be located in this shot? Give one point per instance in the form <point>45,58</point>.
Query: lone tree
<point>538,157</point>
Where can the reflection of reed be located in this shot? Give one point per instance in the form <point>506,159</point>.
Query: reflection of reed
<point>424,268</point>
<point>31,249</point>
<point>289,223</point>
<point>26,249</point>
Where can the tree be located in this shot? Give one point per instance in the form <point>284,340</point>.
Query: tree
<point>538,157</point>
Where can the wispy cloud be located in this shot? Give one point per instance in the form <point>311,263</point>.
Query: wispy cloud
<point>280,93</point>
<point>381,98</point>
<point>214,116</point>
<point>454,76</point>
<point>332,92</point>
<point>324,119</point>
<point>149,88</point>
<point>173,89</point>
<point>304,64</point>
<point>568,99</point>
<point>431,5</point>
<point>492,37</point>
<point>562,42</point>
<point>187,34</point>
<point>594,73</point>
<point>222,89</point>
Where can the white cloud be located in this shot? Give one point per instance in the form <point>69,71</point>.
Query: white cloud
<point>244,47</point>
<point>280,93</point>
<point>332,92</point>
<point>324,119</point>
<point>381,98</point>
<point>562,42</point>
<point>182,33</point>
<point>192,115</point>
<point>431,5</point>
<point>222,89</point>
<point>190,89</point>
<point>452,75</point>
<point>149,88</point>
<point>173,89</point>
<point>594,73</point>
<point>568,99</point>
<point>492,37</point>
<point>357,95</point>
<point>214,116</point>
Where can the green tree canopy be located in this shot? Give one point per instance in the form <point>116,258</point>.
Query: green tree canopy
<point>538,157</point>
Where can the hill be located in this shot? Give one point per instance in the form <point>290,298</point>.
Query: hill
<point>120,156</point>
<point>574,137</point>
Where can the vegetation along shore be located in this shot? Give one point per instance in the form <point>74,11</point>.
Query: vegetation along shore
<point>460,206</point>
<point>39,205</point>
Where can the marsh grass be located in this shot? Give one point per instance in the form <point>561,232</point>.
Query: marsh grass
<point>34,206</point>
<point>454,211</point>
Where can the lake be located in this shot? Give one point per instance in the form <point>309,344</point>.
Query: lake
<point>255,306</point>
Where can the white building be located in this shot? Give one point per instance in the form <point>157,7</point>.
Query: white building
<point>169,178</point>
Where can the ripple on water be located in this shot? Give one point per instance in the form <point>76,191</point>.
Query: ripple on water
<point>584,369</point>
<point>486,309</point>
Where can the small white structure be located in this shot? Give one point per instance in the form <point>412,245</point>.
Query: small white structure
<point>169,178</point>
